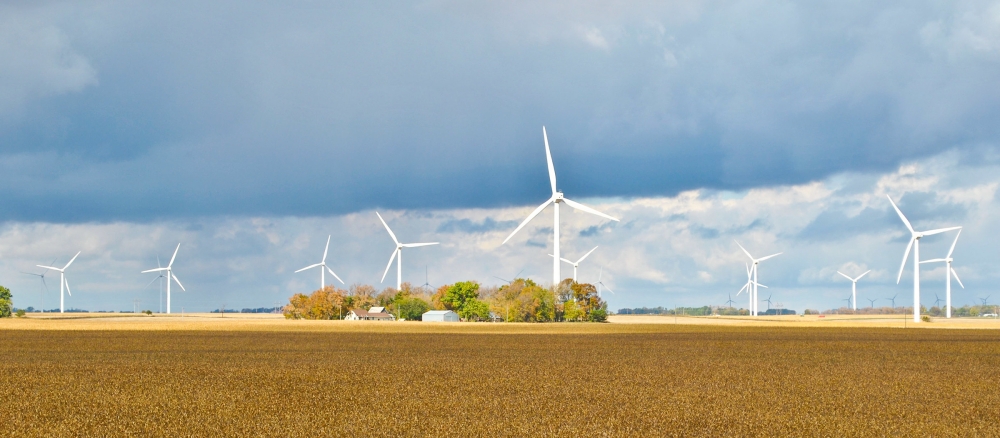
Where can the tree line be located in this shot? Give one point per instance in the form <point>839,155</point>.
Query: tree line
<point>522,300</point>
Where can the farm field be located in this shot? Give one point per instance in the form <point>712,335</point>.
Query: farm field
<point>264,376</point>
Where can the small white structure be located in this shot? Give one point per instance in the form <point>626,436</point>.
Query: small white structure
<point>440,316</point>
<point>373,314</point>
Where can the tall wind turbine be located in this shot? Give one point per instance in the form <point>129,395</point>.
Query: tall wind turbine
<point>62,281</point>
<point>915,243</point>
<point>749,286</point>
<point>556,199</point>
<point>323,268</point>
<point>398,252</point>
<point>949,271</point>
<point>753,295</point>
<point>576,264</point>
<point>170,275</point>
<point>854,286</point>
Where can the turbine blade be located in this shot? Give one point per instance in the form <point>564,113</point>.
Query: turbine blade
<point>151,283</point>
<point>772,255</point>
<point>308,267</point>
<point>174,256</point>
<point>905,256</point>
<point>548,158</point>
<point>334,274</point>
<point>845,275</point>
<point>417,245</point>
<point>940,230</point>
<point>932,261</point>
<point>585,255</point>
<point>49,267</point>
<point>153,270</point>
<point>608,288</point>
<point>174,276</point>
<point>955,273</point>
<point>742,289</point>
<point>744,249</point>
<point>905,222</point>
<point>327,250</point>
<point>389,265</point>
<point>387,228</point>
<point>582,207</point>
<point>761,285</point>
<point>528,219</point>
<point>66,282</point>
<point>953,244</point>
<point>71,260</point>
<point>862,275</point>
<point>567,261</point>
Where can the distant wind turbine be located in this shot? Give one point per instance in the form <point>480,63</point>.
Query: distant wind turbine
<point>937,300</point>
<point>755,262</point>
<point>873,301</point>
<point>556,199</point>
<point>601,285</point>
<point>915,237</point>
<point>893,299</point>
<point>63,284</point>
<point>323,267</point>
<point>854,286</point>
<point>576,264</point>
<point>158,277</point>
<point>45,286</point>
<point>398,253</point>
<point>749,287</point>
<point>949,271</point>
<point>511,281</point>
<point>730,301</point>
<point>170,275</point>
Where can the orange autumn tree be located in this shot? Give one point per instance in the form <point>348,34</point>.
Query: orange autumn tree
<point>327,303</point>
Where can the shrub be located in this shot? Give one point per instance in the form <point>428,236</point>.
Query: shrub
<point>925,318</point>
<point>20,313</point>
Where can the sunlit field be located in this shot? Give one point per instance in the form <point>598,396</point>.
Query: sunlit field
<point>263,376</point>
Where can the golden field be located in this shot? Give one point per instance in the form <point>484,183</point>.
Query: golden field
<point>202,375</point>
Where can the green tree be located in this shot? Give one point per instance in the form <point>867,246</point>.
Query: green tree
<point>475,310</point>
<point>459,293</point>
<point>412,308</point>
<point>572,311</point>
<point>599,314</point>
<point>6,302</point>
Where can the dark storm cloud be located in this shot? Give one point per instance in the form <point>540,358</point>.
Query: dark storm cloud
<point>130,111</point>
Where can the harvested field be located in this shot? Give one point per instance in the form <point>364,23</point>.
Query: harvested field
<point>479,379</point>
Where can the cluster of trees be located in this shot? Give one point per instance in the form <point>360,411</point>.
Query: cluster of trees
<point>6,302</point>
<point>520,301</point>
<point>691,311</point>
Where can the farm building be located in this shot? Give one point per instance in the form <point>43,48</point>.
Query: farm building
<point>373,314</point>
<point>440,316</point>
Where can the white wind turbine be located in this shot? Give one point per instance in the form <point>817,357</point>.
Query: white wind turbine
<point>600,284</point>
<point>949,271</point>
<point>556,199</point>
<point>577,263</point>
<point>63,284</point>
<point>170,275</point>
<point>323,268</point>
<point>854,286</point>
<point>749,287</point>
<point>915,243</point>
<point>755,262</point>
<point>398,252</point>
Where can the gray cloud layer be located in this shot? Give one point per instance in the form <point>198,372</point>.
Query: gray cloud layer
<point>142,111</point>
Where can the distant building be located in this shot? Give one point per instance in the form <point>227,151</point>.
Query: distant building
<point>773,312</point>
<point>440,316</point>
<point>373,314</point>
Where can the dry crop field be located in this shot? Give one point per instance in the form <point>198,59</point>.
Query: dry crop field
<point>480,379</point>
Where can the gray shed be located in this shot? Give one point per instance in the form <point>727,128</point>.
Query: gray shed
<point>440,316</point>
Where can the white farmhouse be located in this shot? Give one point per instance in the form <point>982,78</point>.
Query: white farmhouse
<point>373,314</point>
<point>440,316</point>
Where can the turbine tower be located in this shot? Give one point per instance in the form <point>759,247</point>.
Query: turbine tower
<point>556,199</point>
<point>398,252</point>
<point>854,286</point>
<point>915,243</point>
<point>949,271</point>
<point>577,263</point>
<point>749,286</point>
<point>753,293</point>
<point>63,284</point>
<point>170,275</point>
<point>323,268</point>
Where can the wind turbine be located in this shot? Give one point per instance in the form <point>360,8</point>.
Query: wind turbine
<point>848,299</point>
<point>949,270</point>
<point>730,301</point>
<point>600,284</point>
<point>398,252</point>
<point>893,299</point>
<point>984,300</point>
<point>756,262</point>
<point>915,243</point>
<point>62,281</point>
<point>45,286</point>
<point>556,199</point>
<point>768,301</point>
<point>323,267</point>
<point>577,263</point>
<point>873,301</point>
<point>427,281</point>
<point>749,286</point>
<point>854,286</point>
<point>511,281</point>
<point>158,277</point>
<point>170,275</point>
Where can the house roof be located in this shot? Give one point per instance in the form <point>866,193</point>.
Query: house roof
<point>377,310</point>
<point>437,312</point>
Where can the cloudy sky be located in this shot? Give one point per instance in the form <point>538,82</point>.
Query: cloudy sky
<point>250,132</point>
